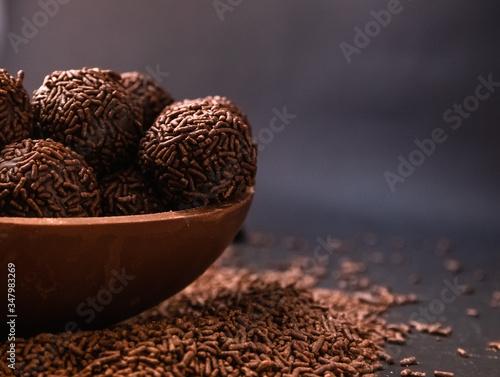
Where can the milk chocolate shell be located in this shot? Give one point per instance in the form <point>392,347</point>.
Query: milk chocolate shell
<point>199,152</point>
<point>63,263</point>
<point>152,98</point>
<point>127,192</point>
<point>90,111</point>
<point>43,178</point>
<point>16,114</point>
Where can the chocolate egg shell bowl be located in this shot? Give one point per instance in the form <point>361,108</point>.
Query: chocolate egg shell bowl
<point>64,261</point>
<point>87,206</point>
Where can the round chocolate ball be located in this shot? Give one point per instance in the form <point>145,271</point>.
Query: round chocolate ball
<point>92,112</point>
<point>152,98</point>
<point>16,113</point>
<point>43,178</point>
<point>199,152</point>
<point>127,192</point>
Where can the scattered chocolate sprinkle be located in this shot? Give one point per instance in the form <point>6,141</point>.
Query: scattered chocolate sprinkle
<point>350,273</point>
<point>229,322</point>
<point>350,267</point>
<point>294,243</point>
<point>452,265</point>
<point>443,246</point>
<point>259,239</point>
<point>16,114</point>
<point>412,373</point>
<point>199,152</point>
<point>462,352</point>
<point>466,289</point>
<point>439,373</point>
<point>433,328</point>
<point>90,111</point>
<point>407,361</point>
<point>151,97</point>
<point>127,192</point>
<point>414,278</point>
<point>479,275</point>
<point>495,299</point>
<point>341,245</point>
<point>494,346</point>
<point>43,178</point>
<point>471,312</point>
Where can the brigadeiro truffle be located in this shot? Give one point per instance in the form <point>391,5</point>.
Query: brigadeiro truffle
<point>152,98</point>
<point>127,192</point>
<point>92,112</point>
<point>43,178</point>
<point>199,152</point>
<point>16,114</point>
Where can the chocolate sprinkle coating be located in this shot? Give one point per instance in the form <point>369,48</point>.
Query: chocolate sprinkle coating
<point>90,111</point>
<point>236,110</point>
<point>199,152</point>
<point>16,113</point>
<point>151,97</point>
<point>127,192</point>
<point>43,178</point>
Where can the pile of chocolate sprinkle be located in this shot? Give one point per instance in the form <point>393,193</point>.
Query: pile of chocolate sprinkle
<point>230,322</point>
